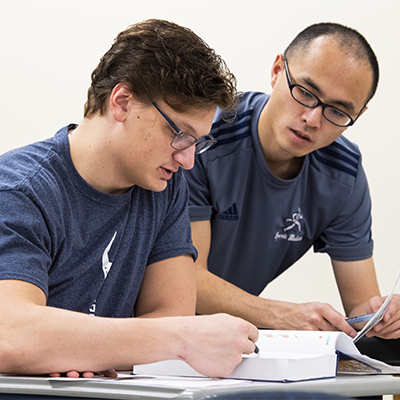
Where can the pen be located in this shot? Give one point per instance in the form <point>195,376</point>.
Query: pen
<point>359,318</point>
<point>256,350</point>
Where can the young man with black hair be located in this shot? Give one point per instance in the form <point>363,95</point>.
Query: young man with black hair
<point>282,179</point>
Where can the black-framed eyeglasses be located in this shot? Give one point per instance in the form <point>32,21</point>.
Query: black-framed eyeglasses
<point>307,99</point>
<point>184,140</point>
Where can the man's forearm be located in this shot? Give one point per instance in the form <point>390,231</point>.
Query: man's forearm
<point>217,295</point>
<point>37,339</point>
<point>43,339</point>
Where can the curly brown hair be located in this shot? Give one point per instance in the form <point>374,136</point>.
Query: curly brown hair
<point>158,59</point>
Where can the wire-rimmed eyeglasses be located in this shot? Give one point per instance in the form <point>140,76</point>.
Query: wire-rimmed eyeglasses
<point>184,140</point>
<point>307,99</point>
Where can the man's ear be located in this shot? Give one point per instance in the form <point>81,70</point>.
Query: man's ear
<point>277,68</point>
<point>119,101</point>
<point>363,111</point>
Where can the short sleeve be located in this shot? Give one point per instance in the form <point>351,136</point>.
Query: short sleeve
<point>349,237</point>
<point>200,208</point>
<point>174,238</point>
<point>24,240</point>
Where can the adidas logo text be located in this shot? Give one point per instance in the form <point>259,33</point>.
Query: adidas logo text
<point>231,214</point>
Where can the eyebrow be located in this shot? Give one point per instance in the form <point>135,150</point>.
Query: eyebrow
<point>175,126</point>
<point>188,128</point>
<point>185,124</point>
<point>346,104</point>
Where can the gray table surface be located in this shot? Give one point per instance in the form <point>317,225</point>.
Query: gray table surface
<point>345,385</point>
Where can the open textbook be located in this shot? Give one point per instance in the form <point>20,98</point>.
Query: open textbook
<point>286,356</point>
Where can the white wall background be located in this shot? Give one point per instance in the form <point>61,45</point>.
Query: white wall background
<point>49,48</point>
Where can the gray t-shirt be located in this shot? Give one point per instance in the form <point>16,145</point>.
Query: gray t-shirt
<point>262,224</point>
<point>85,249</point>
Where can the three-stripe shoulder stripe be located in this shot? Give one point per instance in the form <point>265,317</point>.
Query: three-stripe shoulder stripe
<point>339,157</point>
<point>241,125</point>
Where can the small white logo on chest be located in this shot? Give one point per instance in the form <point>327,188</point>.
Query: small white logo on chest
<point>293,230</point>
<point>106,261</point>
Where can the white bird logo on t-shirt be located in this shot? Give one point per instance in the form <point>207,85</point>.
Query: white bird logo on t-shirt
<point>106,261</point>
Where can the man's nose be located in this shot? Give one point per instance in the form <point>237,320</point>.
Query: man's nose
<point>185,157</point>
<point>313,116</point>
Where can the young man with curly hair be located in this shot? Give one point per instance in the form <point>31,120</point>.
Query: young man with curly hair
<point>94,226</point>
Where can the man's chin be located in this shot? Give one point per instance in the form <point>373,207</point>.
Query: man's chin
<point>158,186</point>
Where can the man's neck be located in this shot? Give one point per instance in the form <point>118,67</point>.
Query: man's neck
<point>280,163</point>
<point>286,169</point>
<point>92,157</point>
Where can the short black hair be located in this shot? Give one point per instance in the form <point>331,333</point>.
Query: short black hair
<point>347,38</point>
